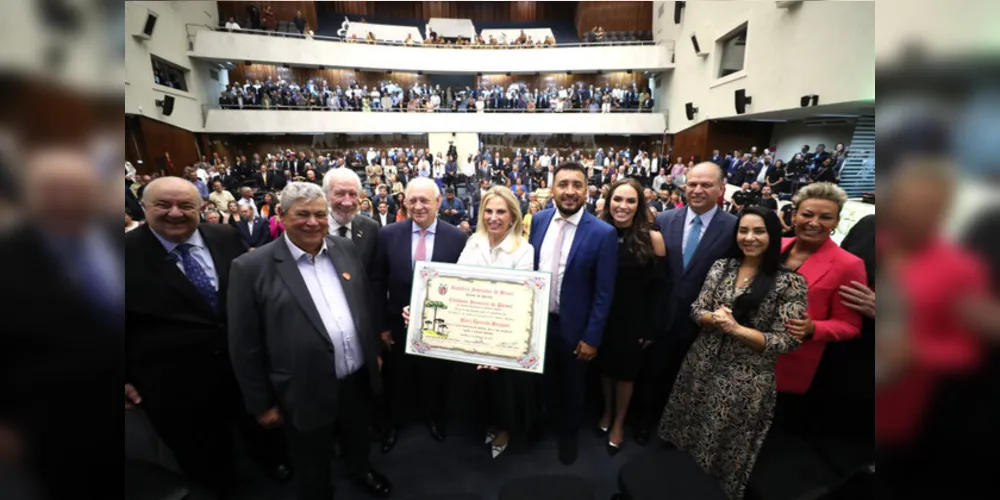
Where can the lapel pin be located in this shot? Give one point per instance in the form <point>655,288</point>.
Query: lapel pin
<point>347,276</point>
<point>360,234</point>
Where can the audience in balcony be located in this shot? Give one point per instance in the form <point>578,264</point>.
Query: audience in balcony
<point>388,96</point>
<point>232,25</point>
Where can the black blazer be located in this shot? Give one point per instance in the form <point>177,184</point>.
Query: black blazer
<point>175,344</point>
<point>261,232</point>
<point>364,234</point>
<point>281,352</point>
<point>392,271</point>
<point>269,184</point>
<point>390,218</point>
<point>61,364</point>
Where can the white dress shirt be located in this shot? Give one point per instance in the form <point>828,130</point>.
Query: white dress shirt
<point>198,250</point>
<point>706,219</point>
<point>428,240</point>
<point>384,218</point>
<point>549,247</point>
<point>477,252</point>
<point>323,282</point>
<point>249,203</point>
<point>335,227</point>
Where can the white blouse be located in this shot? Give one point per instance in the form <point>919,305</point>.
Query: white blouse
<point>477,252</point>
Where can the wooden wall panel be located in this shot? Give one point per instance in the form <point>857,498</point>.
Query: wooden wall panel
<point>477,11</point>
<point>230,145</point>
<point>699,141</point>
<point>690,142</point>
<point>150,139</point>
<point>563,80</point>
<point>729,135</point>
<point>334,77</point>
<point>283,11</point>
<point>614,16</point>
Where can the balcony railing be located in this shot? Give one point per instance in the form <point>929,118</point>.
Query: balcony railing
<point>192,29</point>
<point>264,47</point>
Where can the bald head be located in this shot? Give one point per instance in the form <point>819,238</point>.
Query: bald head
<point>173,185</point>
<point>62,190</point>
<point>705,184</point>
<point>173,206</point>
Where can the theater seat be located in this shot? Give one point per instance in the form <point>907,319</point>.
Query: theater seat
<point>148,481</point>
<point>666,475</point>
<point>561,487</point>
<point>789,468</point>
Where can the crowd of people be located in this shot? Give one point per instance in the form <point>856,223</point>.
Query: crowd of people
<point>667,283</point>
<point>389,96</point>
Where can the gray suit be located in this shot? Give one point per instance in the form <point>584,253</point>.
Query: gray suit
<point>281,352</point>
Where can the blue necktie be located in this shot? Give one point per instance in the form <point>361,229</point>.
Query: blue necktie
<point>693,238</point>
<point>197,276</point>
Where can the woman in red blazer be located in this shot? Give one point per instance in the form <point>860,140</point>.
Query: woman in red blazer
<point>826,268</point>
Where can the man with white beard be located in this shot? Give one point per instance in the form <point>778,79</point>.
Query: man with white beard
<point>343,190</point>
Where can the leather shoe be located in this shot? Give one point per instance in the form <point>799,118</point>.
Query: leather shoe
<point>281,472</point>
<point>374,483</point>
<point>389,439</point>
<point>642,436</point>
<point>437,431</point>
<point>567,450</point>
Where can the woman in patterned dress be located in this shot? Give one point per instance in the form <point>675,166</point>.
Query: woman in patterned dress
<point>722,404</point>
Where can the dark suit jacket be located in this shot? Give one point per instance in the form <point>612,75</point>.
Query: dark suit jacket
<point>392,271</point>
<point>270,184</point>
<point>281,351</point>
<point>261,232</point>
<point>61,365</point>
<point>589,282</point>
<point>685,283</point>
<point>364,234</point>
<point>390,218</point>
<point>175,343</point>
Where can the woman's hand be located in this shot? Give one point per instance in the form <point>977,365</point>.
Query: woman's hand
<point>406,316</point>
<point>858,297</point>
<point>724,320</point>
<point>487,367</point>
<point>801,329</point>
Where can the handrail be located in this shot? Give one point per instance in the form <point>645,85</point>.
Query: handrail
<point>349,109</point>
<point>398,43</point>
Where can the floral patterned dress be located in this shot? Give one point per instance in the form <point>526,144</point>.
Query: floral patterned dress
<point>722,404</point>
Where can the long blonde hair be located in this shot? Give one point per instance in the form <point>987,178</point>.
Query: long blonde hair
<point>517,220</point>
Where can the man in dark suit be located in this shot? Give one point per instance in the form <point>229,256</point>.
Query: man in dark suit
<point>177,368</point>
<point>343,188</point>
<point>253,229</point>
<point>422,237</point>
<point>382,216</point>
<point>62,345</point>
<point>265,180</point>
<point>696,237</point>
<point>299,307</point>
<point>575,247</point>
<point>716,158</point>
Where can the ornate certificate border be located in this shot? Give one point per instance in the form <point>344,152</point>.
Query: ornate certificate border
<point>533,360</point>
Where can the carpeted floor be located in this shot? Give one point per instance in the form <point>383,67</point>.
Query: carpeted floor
<point>462,464</point>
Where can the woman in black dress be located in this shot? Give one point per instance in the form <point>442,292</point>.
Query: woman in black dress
<point>633,315</point>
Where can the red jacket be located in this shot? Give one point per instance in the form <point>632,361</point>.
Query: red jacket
<point>825,271</point>
<point>933,283</point>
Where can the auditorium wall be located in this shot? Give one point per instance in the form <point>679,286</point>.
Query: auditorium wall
<point>699,140</point>
<point>225,121</point>
<point>614,16</point>
<point>543,80</point>
<point>225,46</point>
<point>333,76</point>
<point>146,141</point>
<point>477,11</point>
<point>283,11</point>
<point>789,137</point>
<point>170,43</point>
<point>814,48</point>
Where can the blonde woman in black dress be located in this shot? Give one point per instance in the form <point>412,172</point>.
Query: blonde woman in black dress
<point>722,404</point>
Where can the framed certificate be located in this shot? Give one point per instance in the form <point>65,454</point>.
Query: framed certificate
<point>479,315</point>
